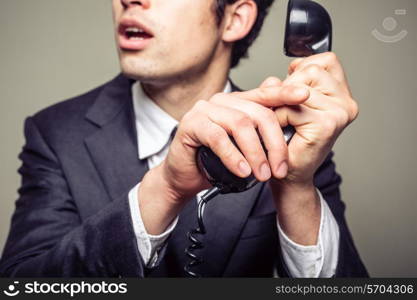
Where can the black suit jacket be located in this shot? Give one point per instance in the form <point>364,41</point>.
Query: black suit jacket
<point>72,217</point>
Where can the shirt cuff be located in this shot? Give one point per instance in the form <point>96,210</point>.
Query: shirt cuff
<point>318,260</point>
<point>148,245</point>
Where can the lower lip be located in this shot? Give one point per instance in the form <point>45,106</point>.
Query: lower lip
<point>133,44</point>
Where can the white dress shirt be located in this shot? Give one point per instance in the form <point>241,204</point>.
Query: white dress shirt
<point>154,127</point>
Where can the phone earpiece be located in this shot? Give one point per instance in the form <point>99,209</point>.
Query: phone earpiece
<point>308,29</point>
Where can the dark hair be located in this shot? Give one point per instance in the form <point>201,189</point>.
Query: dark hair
<point>241,47</point>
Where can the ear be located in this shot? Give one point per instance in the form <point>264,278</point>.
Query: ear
<point>239,19</point>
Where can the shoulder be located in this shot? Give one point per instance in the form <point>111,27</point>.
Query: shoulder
<point>69,116</point>
<point>68,110</point>
<point>65,122</point>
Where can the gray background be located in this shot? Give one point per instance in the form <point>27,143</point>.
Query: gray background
<point>54,49</point>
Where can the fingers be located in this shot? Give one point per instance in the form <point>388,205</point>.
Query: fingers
<point>270,82</point>
<point>328,61</point>
<point>241,127</point>
<point>317,77</point>
<point>275,96</point>
<point>264,119</point>
<point>260,146</point>
<point>295,115</point>
<point>319,125</point>
<point>205,132</point>
<point>293,65</point>
<point>325,90</point>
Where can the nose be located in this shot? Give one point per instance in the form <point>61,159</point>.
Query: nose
<point>131,3</point>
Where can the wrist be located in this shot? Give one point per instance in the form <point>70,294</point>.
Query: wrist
<point>298,210</point>
<point>158,203</point>
<point>159,182</point>
<point>284,186</point>
<point>290,195</point>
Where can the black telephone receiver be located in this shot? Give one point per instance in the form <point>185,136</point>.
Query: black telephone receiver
<point>308,31</point>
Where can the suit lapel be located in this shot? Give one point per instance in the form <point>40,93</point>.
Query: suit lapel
<point>113,147</point>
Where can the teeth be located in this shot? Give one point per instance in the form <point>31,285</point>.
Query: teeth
<point>134,30</point>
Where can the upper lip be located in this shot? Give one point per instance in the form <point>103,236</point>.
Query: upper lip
<point>130,22</point>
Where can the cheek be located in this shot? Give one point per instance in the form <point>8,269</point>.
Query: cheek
<point>196,38</point>
<point>116,9</point>
<point>195,26</point>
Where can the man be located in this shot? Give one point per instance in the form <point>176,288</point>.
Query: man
<point>109,179</point>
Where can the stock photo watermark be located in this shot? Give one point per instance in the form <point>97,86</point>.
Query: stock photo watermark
<point>12,289</point>
<point>390,25</point>
<point>64,288</point>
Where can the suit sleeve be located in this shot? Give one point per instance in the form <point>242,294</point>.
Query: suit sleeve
<point>328,182</point>
<point>47,237</point>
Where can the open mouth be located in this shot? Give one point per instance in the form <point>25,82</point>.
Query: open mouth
<point>133,35</point>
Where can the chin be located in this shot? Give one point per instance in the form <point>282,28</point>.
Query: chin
<point>137,68</point>
<point>147,72</point>
<point>159,70</point>
<point>144,76</point>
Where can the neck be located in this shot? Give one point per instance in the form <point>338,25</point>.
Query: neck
<point>179,96</point>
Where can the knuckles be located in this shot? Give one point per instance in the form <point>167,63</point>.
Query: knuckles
<point>262,93</point>
<point>324,60</point>
<point>186,118</point>
<point>242,120</point>
<point>328,126</point>
<point>217,98</point>
<point>334,121</point>
<point>313,70</point>
<point>216,137</point>
<point>342,118</point>
<point>330,57</point>
<point>200,105</point>
<point>354,110</point>
<point>268,115</point>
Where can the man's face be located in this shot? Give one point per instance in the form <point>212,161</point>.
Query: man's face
<point>164,40</point>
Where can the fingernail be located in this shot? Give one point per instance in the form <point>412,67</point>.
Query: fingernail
<point>245,168</point>
<point>265,171</point>
<point>282,170</point>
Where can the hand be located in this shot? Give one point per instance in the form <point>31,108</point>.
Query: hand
<point>166,188</point>
<point>241,115</point>
<point>319,120</point>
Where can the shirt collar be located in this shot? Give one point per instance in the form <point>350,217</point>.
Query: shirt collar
<point>153,125</point>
